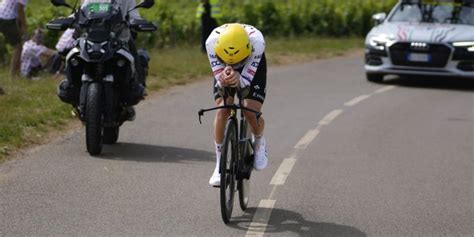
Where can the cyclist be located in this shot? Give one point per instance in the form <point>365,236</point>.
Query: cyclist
<point>237,58</point>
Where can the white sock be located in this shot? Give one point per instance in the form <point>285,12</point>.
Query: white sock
<point>257,141</point>
<point>218,154</point>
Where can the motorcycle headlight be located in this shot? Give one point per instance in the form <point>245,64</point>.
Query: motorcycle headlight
<point>379,42</point>
<point>469,45</point>
<point>95,50</point>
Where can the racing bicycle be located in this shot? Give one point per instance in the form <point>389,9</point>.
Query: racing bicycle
<point>236,162</point>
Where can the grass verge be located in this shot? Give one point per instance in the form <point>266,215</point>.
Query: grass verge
<point>30,111</point>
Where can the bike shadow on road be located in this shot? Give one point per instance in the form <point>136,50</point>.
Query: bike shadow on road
<point>284,221</point>
<point>153,153</point>
<point>426,82</point>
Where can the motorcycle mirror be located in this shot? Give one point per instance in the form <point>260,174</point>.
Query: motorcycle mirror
<point>58,3</point>
<point>146,4</point>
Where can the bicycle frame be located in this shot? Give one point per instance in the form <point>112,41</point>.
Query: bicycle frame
<point>245,163</point>
<point>237,168</point>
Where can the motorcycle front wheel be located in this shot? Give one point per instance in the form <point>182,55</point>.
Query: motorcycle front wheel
<point>94,118</point>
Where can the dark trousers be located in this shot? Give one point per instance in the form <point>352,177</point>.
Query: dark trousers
<point>208,24</point>
<point>141,74</point>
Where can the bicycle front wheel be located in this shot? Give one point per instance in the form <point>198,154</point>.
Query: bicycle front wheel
<point>228,171</point>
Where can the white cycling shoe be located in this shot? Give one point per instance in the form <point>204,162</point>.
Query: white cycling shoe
<point>261,155</point>
<point>215,179</point>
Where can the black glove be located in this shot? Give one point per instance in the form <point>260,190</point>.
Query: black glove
<point>221,91</point>
<point>244,92</point>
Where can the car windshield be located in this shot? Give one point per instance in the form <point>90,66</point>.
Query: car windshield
<point>435,12</point>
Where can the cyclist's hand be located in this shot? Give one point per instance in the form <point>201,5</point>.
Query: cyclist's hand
<point>223,76</point>
<point>231,79</point>
<point>228,70</point>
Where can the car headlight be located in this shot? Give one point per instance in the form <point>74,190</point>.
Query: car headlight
<point>379,42</point>
<point>467,44</point>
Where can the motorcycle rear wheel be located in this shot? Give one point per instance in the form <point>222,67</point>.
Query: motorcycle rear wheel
<point>111,135</point>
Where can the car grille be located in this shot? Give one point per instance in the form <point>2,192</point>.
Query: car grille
<point>439,54</point>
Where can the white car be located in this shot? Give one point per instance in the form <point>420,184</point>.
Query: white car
<point>422,37</point>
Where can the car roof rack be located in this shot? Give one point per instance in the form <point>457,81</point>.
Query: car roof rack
<point>427,6</point>
<point>409,2</point>
<point>468,3</point>
<point>463,2</point>
<point>459,3</point>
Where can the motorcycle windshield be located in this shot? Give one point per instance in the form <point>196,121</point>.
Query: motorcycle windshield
<point>99,9</point>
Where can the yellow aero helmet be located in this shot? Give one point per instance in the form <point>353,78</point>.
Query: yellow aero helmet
<point>233,44</point>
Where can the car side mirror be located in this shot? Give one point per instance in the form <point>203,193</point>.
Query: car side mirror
<point>379,18</point>
<point>59,3</point>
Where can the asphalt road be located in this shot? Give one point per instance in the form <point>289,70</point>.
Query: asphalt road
<point>347,158</point>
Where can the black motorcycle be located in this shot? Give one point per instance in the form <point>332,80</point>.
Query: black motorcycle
<point>103,81</point>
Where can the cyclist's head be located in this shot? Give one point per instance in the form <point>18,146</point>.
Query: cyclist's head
<point>233,44</point>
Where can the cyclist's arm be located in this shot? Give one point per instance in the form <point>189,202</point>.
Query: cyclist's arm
<point>216,65</point>
<point>129,5</point>
<point>251,65</point>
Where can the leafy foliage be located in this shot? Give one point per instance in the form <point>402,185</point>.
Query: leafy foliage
<point>177,23</point>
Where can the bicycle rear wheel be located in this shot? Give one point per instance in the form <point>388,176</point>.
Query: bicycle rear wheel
<point>244,184</point>
<point>228,171</point>
<point>244,192</point>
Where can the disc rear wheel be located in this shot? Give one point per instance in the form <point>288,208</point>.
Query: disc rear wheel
<point>244,184</point>
<point>244,191</point>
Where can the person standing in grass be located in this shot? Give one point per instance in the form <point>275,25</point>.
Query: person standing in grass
<point>13,26</point>
<point>208,12</point>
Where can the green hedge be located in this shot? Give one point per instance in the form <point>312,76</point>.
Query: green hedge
<point>338,18</point>
<point>177,22</point>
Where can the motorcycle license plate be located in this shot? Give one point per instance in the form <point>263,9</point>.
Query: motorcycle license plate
<point>99,7</point>
<point>419,57</point>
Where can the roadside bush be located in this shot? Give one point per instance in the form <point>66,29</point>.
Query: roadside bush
<point>177,22</point>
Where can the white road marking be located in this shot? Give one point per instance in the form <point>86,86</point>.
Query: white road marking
<point>272,192</point>
<point>261,218</point>
<point>384,89</point>
<point>357,100</point>
<point>265,207</point>
<point>330,117</point>
<point>282,173</point>
<point>307,139</point>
